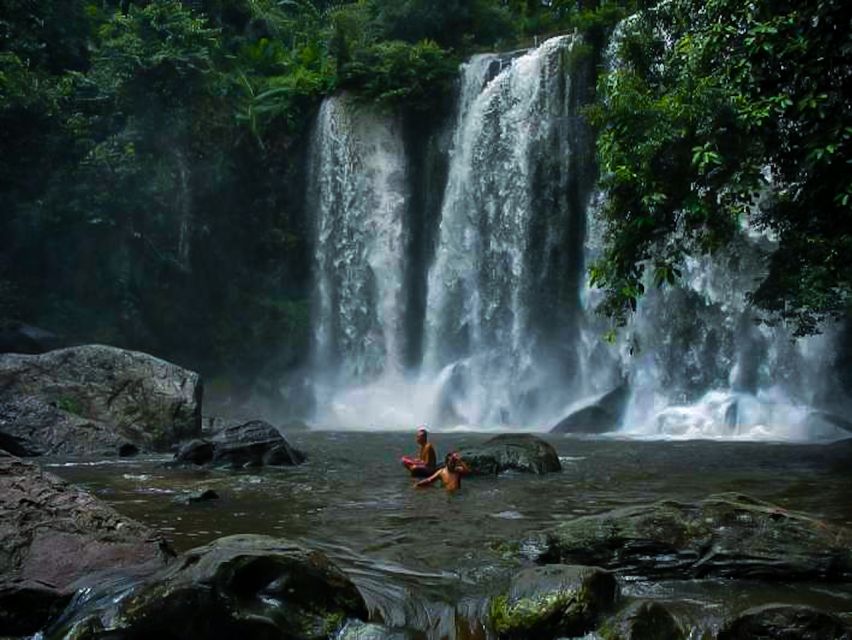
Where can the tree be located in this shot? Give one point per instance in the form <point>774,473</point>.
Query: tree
<point>717,114</point>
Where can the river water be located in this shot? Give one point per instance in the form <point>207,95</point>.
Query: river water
<point>429,560</point>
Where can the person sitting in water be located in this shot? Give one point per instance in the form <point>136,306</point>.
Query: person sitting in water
<point>450,474</point>
<point>424,463</point>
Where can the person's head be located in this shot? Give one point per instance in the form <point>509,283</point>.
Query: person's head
<point>451,461</point>
<point>422,435</point>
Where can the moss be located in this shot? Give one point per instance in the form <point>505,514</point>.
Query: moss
<point>549,613</point>
<point>70,404</point>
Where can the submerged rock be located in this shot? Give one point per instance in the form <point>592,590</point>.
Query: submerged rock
<point>512,452</point>
<point>193,497</point>
<point>642,621</point>
<point>600,416</point>
<point>104,397</point>
<point>726,535</point>
<point>552,601</point>
<point>785,622</point>
<point>52,536</point>
<point>245,586</point>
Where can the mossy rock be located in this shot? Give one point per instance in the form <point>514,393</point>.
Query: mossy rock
<point>251,587</point>
<point>552,601</point>
<point>726,535</point>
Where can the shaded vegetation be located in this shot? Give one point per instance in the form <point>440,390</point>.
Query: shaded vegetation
<point>722,114</point>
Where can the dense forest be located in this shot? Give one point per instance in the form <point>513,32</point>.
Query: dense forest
<point>152,153</point>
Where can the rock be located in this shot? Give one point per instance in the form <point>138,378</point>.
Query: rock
<point>515,452</point>
<point>785,622</point>
<point>358,630</point>
<point>137,398</point>
<point>552,601</point>
<point>253,444</point>
<point>196,452</point>
<point>643,621</point>
<point>726,535</point>
<point>600,416</point>
<point>17,337</point>
<point>52,536</point>
<point>194,497</point>
<point>245,586</point>
<point>31,427</point>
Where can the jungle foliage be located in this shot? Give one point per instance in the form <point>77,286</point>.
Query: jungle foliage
<point>715,115</point>
<point>152,156</point>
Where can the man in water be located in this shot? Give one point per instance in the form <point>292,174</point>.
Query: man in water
<point>426,460</point>
<point>450,474</point>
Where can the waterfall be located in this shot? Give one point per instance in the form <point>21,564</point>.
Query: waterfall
<point>504,258</point>
<point>506,324</point>
<point>357,192</point>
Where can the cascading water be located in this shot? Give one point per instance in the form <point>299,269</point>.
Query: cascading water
<point>358,195</point>
<point>506,266</point>
<point>509,338</point>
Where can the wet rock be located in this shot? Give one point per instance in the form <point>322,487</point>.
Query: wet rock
<point>197,452</point>
<point>247,586</point>
<point>600,416</point>
<point>512,452</point>
<point>32,427</point>
<point>53,535</point>
<point>358,630</point>
<point>194,497</point>
<point>643,621</point>
<point>726,535</point>
<point>124,396</point>
<point>785,622</point>
<point>253,444</point>
<point>552,601</point>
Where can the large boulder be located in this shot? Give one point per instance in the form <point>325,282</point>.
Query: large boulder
<point>785,622</point>
<point>726,535</point>
<point>132,396</point>
<point>252,444</point>
<point>512,452</point>
<point>244,586</point>
<point>52,536</point>
<point>643,620</point>
<point>552,601</point>
<point>599,416</point>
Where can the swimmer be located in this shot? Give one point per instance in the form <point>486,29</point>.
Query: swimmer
<point>450,474</point>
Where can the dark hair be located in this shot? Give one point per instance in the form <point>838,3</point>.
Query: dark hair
<point>450,461</point>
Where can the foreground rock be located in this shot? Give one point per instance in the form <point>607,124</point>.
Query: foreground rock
<point>247,586</point>
<point>785,622</point>
<point>358,630</point>
<point>252,444</point>
<point>512,452</point>
<point>52,536</point>
<point>553,601</point>
<point>600,416</point>
<point>643,621</point>
<point>726,535</point>
<point>125,396</point>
